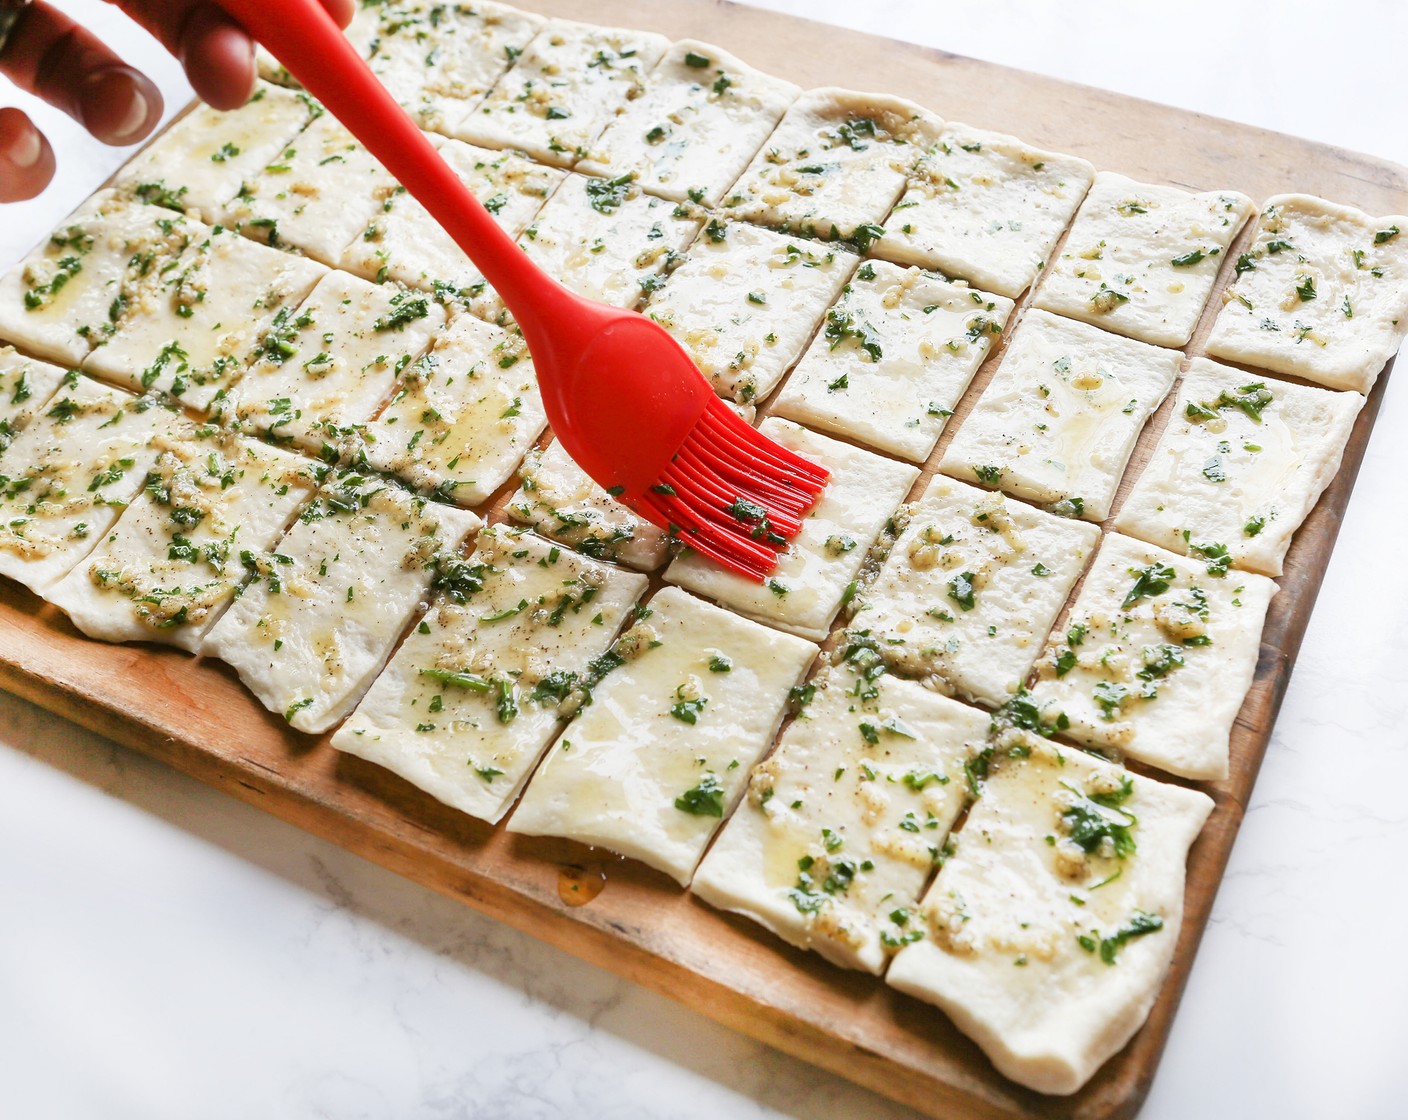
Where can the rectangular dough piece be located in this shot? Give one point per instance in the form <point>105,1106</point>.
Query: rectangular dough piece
<point>606,240</point>
<point>661,756</point>
<point>836,164</point>
<point>1322,293</point>
<point>26,384</point>
<point>212,506</point>
<point>817,573</point>
<point>201,161</point>
<point>893,356</point>
<point>324,610</point>
<point>361,33</point>
<point>561,501</point>
<point>316,194</point>
<point>1141,259</point>
<point>68,475</point>
<point>406,244</point>
<point>439,60</point>
<point>701,115</point>
<point>191,329</point>
<point>462,417</point>
<point>844,822</point>
<point>1057,423</point>
<point>1050,930</point>
<point>745,302</point>
<point>1156,659</point>
<point>971,588</point>
<point>565,87</point>
<point>985,207</point>
<point>479,688</point>
<point>65,297</point>
<point>1239,466</point>
<point>328,364</point>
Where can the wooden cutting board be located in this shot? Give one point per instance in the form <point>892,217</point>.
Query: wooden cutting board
<point>195,715</point>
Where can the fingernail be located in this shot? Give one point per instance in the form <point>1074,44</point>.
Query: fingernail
<point>25,149</point>
<point>131,125</point>
<point>115,106</point>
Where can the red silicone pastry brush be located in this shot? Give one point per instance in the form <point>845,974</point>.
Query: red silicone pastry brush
<point>623,397</point>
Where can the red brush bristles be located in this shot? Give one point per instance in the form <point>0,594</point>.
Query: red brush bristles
<point>734,495</point>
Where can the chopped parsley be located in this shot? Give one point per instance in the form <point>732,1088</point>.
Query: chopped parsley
<point>1217,556</point>
<point>1148,583</point>
<point>704,800</point>
<point>842,325</point>
<point>1108,947</point>
<point>404,310</point>
<point>1092,820</point>
<point>960,590</point>
<point>606,195</point>
<point>688,711</point>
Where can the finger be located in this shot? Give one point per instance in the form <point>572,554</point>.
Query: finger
<point>217,54</point>
<point>341,11</point>
<point>218,58</point>
<point>167,19</point>
<point>52,57</point>
<point>26,160</point>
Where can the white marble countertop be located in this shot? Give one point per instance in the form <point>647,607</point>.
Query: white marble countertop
<point>166,951</point>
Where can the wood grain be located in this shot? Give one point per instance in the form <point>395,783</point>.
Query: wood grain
<point>194,715</point>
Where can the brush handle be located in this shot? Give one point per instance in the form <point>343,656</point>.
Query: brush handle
<point>304,38</point>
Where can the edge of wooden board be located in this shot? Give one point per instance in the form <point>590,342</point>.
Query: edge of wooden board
<point>644,927</point>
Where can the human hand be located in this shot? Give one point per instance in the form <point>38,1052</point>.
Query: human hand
<point>52,57</point>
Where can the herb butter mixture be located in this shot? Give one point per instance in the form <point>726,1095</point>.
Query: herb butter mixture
<point>256,405</point>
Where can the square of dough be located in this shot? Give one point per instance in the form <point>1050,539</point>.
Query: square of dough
<point>190,331</point>
<point>481,685</point>
<point>317,622</point>
<point>1239,466</point>
<point>561,501</point>
<point>438,60</point>
<point>1049,953</point>
<point>986,207</point>
<point>566,86</point>
<point>26,384</point>
<point>1322,293</point>
<point>328,364</point>
<point>361,33</point>
<point>700,117</point>
<point>817,573</point>
<point>661,756</point>
<point>1156,658</point>
<point>745,302</point>
<point>405,243</point>
<point>835,165</point>
<point>605,240</point>
<point>462,417</point>
<point>1141,259</point>
<point>316,194</point>
<point>844,823</point>
<point>893,356</point>
<point>201,161</point>
<point>971,588</point>
<point>212,504</point>
<point>69,474</point>
<point>1059,419</point>
<point>65,297</point>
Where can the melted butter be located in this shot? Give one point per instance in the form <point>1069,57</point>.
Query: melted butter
<point>578,885</point>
